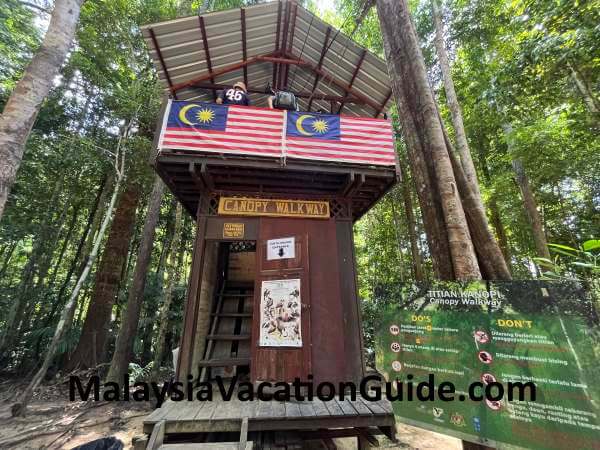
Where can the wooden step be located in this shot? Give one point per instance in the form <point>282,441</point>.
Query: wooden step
<point>228,314</point>
<point>228,337</point>
<point>207,445</point>
<point>223,362</point>
<point>226,295</point>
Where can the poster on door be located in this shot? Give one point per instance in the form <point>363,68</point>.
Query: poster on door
<point>280,316</point>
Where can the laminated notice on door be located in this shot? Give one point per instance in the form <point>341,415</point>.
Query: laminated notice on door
<point>283,248</point>
<point>280,313</point>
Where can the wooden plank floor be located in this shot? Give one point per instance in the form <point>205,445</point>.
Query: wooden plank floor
<point>221,416</point>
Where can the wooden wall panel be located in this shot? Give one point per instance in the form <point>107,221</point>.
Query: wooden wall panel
<point>327,333</point>
<point>350,303</point>
<point>327,328</point>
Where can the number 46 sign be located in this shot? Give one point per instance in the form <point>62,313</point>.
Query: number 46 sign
<point>233,95</point>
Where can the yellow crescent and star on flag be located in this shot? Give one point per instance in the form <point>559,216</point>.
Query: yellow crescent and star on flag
<point>318,125</point>
<point>203,115</point>
<point>214,117</point>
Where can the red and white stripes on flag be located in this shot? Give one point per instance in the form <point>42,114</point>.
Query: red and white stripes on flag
<point>249,131</point>
<point>261,131</point>
<point>362,141</point>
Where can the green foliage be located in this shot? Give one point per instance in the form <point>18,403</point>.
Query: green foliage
<point>581,263</point>
<point>137,372</point>
<point>19,38</point>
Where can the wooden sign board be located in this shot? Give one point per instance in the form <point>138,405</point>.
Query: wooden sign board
<point>242,206</point>
<point>233,230</point>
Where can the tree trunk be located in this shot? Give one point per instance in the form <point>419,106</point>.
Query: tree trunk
<point>533,216</point>
<point>102,193</point>
<point>173,271</point>
<point>589,99</point>
<point>7,257</point>
<point>452,101</point>
<point>417,106</point>
<point>66,318</point>
<point>129,323</point>
<point>396,221</point>
<point>417,264</point>
<point>495,216</point>
<point>491,259</point>
<point>531,211</point>
<point>65,244</point>
<point>11,334</point>
<point>25,101</point>
<point>90,348</point>
<point>149,311</point>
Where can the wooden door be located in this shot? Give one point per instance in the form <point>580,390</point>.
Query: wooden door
<point>277,354</point>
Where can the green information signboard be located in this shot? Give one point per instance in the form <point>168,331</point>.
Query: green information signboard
<point>488,332</point>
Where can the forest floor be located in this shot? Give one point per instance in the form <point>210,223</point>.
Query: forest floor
<point>53,422</point>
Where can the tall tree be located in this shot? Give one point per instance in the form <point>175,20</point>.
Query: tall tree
<point>417,260</point>
<point>20,406</point>
<point>173,271</point>
<point>90,349</point>
<point>422,128</point>
<point>462,220</point>
<point>129,323</point>
<point>25,101</point>
<point>529,203</point>
<point>452,101</point>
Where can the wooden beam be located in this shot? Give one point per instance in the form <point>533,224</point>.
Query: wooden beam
<point>207,53</point>
<point>162,61</point>
<point>205,177</point>
<point>380,109</point>
<point>157,437</point>
<point>347,89</point>
<point>321,58</point>
<point>190,317</point>
<point>354,74</point>
<point>300,94</point>
<point>290,43</point>
<point>196,179</point>
<point>277,44</point>
<point>243,434</point>
<point>286,24</point>
<point>279,60</point>
<point>244,45</point>
<point>216,73</point>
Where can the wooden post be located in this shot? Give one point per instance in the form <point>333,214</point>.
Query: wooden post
<point>190,317</point>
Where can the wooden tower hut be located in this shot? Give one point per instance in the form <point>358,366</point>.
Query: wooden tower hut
<point>272,289</point>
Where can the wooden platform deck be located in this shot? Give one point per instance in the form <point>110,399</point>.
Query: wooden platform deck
<point>224,416</point>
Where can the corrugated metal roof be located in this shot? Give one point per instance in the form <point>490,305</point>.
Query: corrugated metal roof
<point>177,48</point>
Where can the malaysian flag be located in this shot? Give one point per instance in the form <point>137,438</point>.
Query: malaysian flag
<point>239,130</point>
<point>339,138</point>
<point>243,130</point>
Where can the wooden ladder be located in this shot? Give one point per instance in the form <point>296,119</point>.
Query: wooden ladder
<point>228,342</point>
